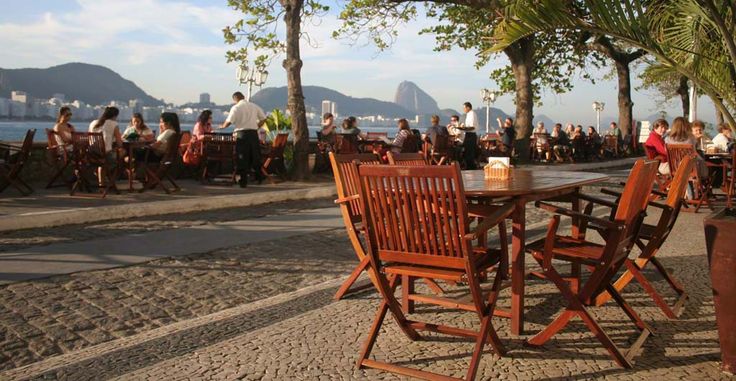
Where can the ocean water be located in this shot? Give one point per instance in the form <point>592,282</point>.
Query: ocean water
<point>13,131</point>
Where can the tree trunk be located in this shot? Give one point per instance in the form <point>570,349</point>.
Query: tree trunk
<point>684,92</point>
<point>625,105</point>
<point>295,102</point>
<point>521,55</point>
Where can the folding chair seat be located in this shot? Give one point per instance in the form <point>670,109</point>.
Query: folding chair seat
<point>436,242</point>
<point>13,162</point>
<point>156,172</point>
<point>603,261</point>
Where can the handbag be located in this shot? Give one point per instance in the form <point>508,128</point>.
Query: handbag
<point>192,156</point>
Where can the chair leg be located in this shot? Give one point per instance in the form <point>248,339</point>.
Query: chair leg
<point>362,266</point>
<point>674,311</point>
<point>640,324</point>
<point>407,289</point>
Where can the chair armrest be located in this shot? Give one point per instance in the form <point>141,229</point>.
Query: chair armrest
<point>659,205</point>
<point>571,213</point>
<point>495,218</point>
<point>347,199</point>
<point>597,200</point>
<point>9,147</point>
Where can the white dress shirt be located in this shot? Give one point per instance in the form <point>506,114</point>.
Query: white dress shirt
<point>245,116</point>
<point>471,119</point>
<point>721,141</point>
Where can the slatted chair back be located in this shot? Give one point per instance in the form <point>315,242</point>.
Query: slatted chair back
<point>635,195</point>
<point>678,186</point>
<point>416,215</point>
<point>676,152</point>
<point>278,146</point>
<point>57,156</point>
<point>346,143</point>
<point>218,147</point>
<point>376,135</point>
<point>411,144</point>
<point>610,143</point>
<point>89,147</point>
<point>346,177</point>
<point>441,150</point>
<point>413,159</point>
<point>156,173</point>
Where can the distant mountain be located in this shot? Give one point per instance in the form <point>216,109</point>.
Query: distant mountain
<point>548,122</point>
<point>275,97</point>
<point>411,97</point>
<point>92,84</point>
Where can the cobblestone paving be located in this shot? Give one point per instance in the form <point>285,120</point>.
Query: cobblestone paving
<point>312,338</point>
<point>47,317</point>
<point>305,347</point>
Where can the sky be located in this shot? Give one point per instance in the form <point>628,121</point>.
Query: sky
<point>174,49</point>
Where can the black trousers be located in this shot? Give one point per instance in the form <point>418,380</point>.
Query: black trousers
<point>470,150</point>
<point>249,154</point>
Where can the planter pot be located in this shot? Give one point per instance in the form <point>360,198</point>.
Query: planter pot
<point>721,244</point>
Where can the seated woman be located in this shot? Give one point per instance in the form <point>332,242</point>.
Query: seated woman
<point>655,145</point>
<point>578,143</point>
<point>561,148</point>
<point>723,141</point>
<point>681,133</point>
<point>593,143</point>
<point>350,127</point>
<point>401,136</point>
<point>107,125</point>
<point>701,138</point>
<point>168,128</point>
<point>138,131</point>
<point>64,129</point>
<point>328,131</point>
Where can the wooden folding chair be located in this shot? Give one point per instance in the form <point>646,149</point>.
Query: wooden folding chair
<point>218,151</point>
<point>663,180</point>
<point>156,172</point>
<point>346,144</point>
<point>344,168</point>
<point>610,144</point>
<point>89,155</point>
<point>274,162</point>
<point>418,226</point>
<point>702,188</point>
<point>406,159</point>
<point>650,240</point>
<point>59,159</point>
<point>12,163</point>
<point>440,151</point>
<point>604,261</point>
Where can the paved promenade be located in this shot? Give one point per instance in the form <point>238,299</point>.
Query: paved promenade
<point>246,293</point>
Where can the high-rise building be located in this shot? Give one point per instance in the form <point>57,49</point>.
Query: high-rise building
<point>326,106</point>
<point>333,109</point>
<point>136,105</point>
<point>204,98</point>
<point>19,96</point>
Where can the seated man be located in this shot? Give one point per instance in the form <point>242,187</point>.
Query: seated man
<point>656,147</point>
<point>701,138</point>
<point>508,135</point>
<point>561,148</point>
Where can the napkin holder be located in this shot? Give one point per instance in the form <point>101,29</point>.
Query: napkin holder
<point>497,168</point>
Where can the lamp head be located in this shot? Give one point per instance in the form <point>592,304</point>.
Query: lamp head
<point>241,73</point>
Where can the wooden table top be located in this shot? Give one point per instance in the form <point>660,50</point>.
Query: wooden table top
<point>526,182</point>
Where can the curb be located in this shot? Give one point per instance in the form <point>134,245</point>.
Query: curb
<point>629,161</point>
<point>123,211</point>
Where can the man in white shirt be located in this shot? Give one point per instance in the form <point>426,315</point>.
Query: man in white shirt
<point>247,118</point>
<point>470,140</point>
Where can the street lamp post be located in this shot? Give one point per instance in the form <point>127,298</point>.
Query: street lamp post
<point>488,96</point>
<point>253,76</point>
<point>598,107</point>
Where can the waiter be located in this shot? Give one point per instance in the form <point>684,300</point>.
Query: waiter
<point>470,141</point>
<point>247,118</point>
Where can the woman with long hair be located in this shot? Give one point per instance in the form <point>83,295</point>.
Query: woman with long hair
<point>401,136</point>
<point>107,124</point>
<point>63,128</point>
<point>203,125</point>
<point>681,133</point>
<point>137,130</point>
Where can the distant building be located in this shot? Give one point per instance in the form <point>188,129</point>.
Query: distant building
<point>326,106</point>
<point>17,109</point>
<point>4,107</point>
<point>204,98</point>
<point>59,96</point>
<point>136,105</point>
<point>333,109</point>
<point>19,96</point>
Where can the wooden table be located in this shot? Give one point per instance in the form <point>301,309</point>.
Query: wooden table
<point>525,186</point>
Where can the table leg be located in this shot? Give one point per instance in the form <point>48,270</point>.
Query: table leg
<point>518,268</point>
<point>575,267</point>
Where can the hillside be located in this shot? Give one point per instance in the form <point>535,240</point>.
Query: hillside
<point>92,84</point>
<point>275,97</point>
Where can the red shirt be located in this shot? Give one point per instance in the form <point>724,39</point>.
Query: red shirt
<point>655,146</point>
